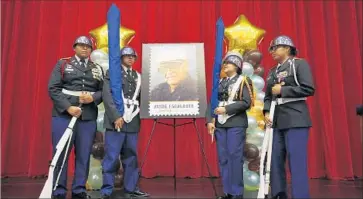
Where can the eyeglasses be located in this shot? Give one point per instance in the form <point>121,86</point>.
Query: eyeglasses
<point>274,48</point>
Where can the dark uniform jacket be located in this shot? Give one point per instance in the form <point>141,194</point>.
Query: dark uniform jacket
<point>186,91</point>
<point>111,112</point>
<point>239,108</point>
<point>70,75</point>
<point>293,114</point>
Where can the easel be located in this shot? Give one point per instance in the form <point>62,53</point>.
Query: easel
<point>174,125</point>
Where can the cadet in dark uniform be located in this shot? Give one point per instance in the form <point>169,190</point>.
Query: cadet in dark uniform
<point>124,141</point>
<point>179,86</point>
<point>74,81</point>
<point>235,98</point>
<point>289,83</point>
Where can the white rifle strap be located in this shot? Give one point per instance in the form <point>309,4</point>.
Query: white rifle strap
<point>223,118</point>
<point>266,148</point>
<point>129,113</point>
<point>235,88</point>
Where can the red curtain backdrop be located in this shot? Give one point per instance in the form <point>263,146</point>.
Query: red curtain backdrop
<point>35,34</point>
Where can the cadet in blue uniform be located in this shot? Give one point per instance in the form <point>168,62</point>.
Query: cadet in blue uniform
<point>74,81</point>
<point>122,142</point>
<point>289,83</point>
<point>235,98</point>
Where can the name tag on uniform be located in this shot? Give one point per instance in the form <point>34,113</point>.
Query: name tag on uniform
<point>69,68</point>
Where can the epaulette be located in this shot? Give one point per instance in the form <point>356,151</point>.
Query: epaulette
<point>65,58</point>
<point>299,59</point>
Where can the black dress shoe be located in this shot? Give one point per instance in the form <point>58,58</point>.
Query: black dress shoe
<point>136,194</point>
<point>280,195</point>
<point>237,197</point>
<point>225,196</point>
<point>82,195</point>
<point>59,197</point>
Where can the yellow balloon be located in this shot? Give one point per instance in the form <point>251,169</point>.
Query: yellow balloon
<point>261,124</point>
<point>258,103</point>
<point>242,35</point>
<point>100,34</point>
<point>257,110</point>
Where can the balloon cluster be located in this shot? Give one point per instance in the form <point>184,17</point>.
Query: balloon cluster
<point>255,130</point>
<point>101,58</point>
<point>94,181</point>
<point>244,37</point>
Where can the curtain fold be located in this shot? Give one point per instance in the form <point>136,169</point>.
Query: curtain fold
<point>35,34</point>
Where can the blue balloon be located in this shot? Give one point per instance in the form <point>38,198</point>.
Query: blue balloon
<point>258,82</point>
<point>100,127</point>
<point>251,178</point>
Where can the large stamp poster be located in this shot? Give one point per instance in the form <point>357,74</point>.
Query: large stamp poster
<point>173,81</point>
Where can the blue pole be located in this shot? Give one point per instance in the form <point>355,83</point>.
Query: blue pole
<point>217,64</point>
<point>113,25</point>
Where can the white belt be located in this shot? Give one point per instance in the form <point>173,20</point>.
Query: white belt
<point>131,102</point>
<point>75,93</point>
<point>280,101</point>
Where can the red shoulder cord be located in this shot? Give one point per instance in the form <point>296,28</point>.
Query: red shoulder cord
<point>63,66</point>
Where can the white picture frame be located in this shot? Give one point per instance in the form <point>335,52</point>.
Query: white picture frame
<point>173,81</point>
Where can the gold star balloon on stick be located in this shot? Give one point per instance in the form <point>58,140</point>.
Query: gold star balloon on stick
<point>242,35</point>
<point>100,34</point>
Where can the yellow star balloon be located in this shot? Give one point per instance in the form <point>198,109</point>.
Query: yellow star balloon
<point>100,34</point>
<point>242,35</point>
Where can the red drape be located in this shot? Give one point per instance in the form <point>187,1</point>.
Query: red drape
<point>35,34</point>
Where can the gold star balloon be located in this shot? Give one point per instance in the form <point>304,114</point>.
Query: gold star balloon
<point>242,35</point>
<point>100,34</point>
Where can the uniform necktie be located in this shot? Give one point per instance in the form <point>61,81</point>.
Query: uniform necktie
<point>129,72</point>
<point>83,63</point>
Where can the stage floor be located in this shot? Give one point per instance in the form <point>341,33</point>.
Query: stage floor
<point>163,187</point>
